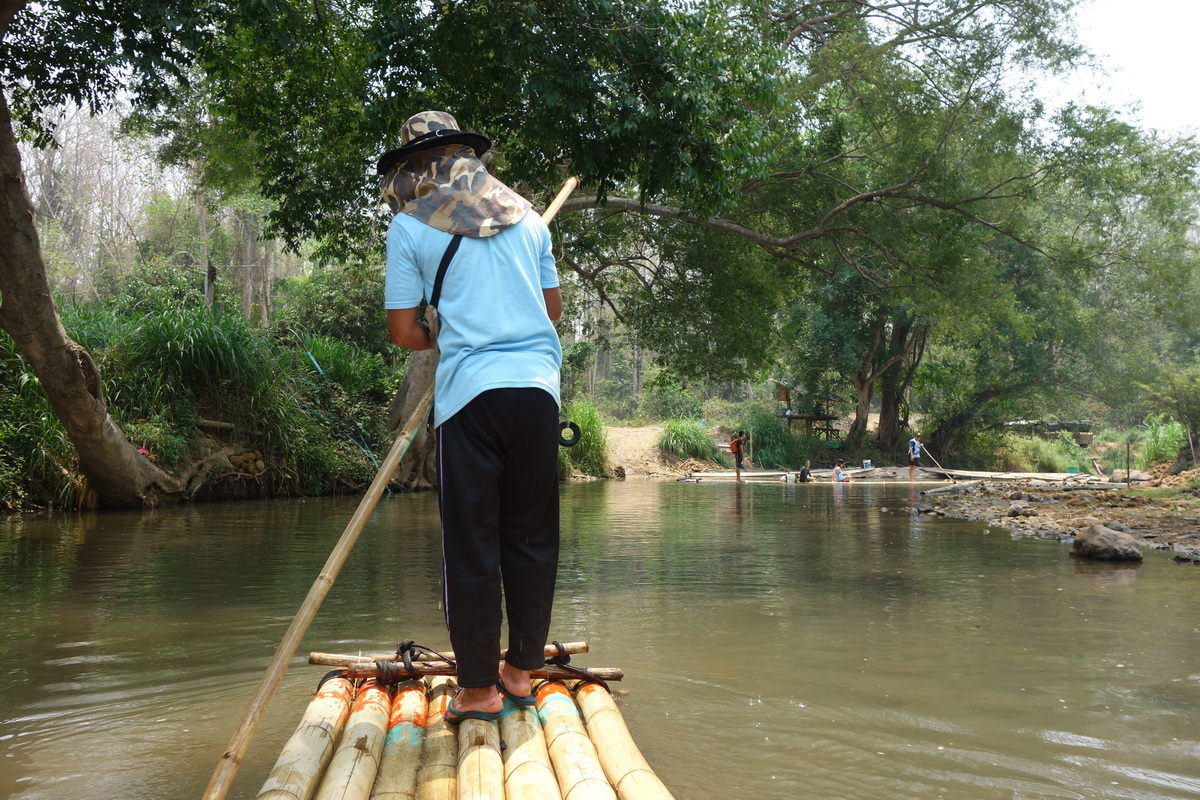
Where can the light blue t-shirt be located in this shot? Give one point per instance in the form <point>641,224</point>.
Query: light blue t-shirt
<point>494,330</point>
<point>914,448</point>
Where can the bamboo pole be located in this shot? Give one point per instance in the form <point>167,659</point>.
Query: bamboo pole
<point>397,779</point>
<point>369,670</point>
<point>580,776</point>
<point>619,755</point>
<point>437,777</point>
<point>222,777</point>
<point>306,754</point>
<point>939,466</point>
<point>343,660</point>
<point>563,193</point>
<point>351,773</point>
<point>527,771</point>
<point>480,767</point>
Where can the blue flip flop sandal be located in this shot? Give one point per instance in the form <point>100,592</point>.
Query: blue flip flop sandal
<point>454,716</point>
<point>527,700</point>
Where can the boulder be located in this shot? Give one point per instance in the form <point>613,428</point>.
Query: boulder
<point>1188,545</point>
<point>1128,476</point>
<point>1099,543</point>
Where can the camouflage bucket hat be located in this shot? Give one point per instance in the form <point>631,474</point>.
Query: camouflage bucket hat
<point>441,181</point>
<point>430,129</point>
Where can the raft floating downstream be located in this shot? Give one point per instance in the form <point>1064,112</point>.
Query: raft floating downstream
<point>377,731</point>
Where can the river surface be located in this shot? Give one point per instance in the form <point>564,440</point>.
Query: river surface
<point>779,642</point>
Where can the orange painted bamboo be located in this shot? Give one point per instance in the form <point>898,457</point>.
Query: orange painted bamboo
<point>351,773</point>
<point>397,779</point>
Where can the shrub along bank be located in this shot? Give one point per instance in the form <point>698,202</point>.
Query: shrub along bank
<point>197,392</point>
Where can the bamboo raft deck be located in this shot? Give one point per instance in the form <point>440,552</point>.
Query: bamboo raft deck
<point>362,740</point>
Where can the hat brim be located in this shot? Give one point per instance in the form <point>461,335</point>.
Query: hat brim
<point>476,141</point>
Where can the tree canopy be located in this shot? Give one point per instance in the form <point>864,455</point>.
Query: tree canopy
<point>863,187</point>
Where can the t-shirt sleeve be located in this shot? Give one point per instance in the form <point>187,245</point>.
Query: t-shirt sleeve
<point>403,285</point>
<point>547,274</point>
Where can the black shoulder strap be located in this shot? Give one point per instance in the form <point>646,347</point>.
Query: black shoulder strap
<point>447,256</point>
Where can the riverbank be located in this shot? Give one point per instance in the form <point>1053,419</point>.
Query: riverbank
<point>1162,517</point>
<point>1165,515</point>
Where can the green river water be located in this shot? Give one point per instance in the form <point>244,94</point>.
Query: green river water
<point>780,641</point>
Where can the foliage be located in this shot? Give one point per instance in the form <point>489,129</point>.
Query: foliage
<point>359,374</point>
<point>165,370</point>
<point>577,360</point>
<point>781,189</point>
<point>340,303</point>
<point>1177,392</point>
<point>151,286</point>
<point>589,456</point>
<point>665,397</point>
<point>1033,454</point>
<point>86,52</point>
<point>687,438</point>
<point>1162,439</point>
<point>770,443</point>
<point>719,411</point>
<point>37,461</point>
<point>709,310</point>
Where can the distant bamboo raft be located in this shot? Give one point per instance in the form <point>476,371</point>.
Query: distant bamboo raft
<point>360,740</point>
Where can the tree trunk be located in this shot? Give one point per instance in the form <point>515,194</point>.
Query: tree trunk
<point>247,266</point>
<point>945,435</point>
<point>115,470</point>
<point>864,386</point>
<point>418,468</point>
<point>264,289</point>
<point>894,384</point>
<point>210,271</point>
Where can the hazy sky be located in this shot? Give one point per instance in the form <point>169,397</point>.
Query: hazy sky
<point>1149,48</point>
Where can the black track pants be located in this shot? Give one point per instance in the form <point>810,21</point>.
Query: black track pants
<point>498,495</point>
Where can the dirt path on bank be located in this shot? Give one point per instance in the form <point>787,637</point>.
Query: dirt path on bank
<point>633,453</point>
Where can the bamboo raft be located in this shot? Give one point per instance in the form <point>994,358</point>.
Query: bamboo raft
<point>360,739</point>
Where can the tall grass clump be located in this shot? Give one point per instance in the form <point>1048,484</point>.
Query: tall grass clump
<point>1161,440</point>
<point>1033,454</point>
<point>687,438</point>
<point>37,459</point>
<point>589,455</point>
<point>360,373</point>
<point>773,447</point>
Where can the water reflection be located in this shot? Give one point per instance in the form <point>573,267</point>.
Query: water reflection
<point>785,640</point>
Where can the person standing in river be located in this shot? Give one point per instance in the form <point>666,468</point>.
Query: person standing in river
<point>737,446</point>
<point>496,397</point>
<point>914,455</point>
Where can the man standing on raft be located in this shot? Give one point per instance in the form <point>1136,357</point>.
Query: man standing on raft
<point>496,397</point>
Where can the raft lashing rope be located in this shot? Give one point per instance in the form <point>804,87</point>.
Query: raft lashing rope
<point>364,738</point>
